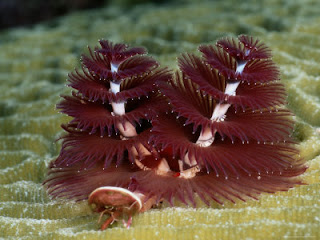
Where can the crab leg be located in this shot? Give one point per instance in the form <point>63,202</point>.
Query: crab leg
<point>110,220</point>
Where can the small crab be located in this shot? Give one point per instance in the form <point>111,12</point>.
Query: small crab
<point>120,203</point>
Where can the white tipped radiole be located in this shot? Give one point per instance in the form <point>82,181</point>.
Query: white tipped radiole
<point>126,129</point>
<point>206,137</point>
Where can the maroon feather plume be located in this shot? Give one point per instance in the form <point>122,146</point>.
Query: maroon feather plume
<point>218,130</point>
<point>94,115</point>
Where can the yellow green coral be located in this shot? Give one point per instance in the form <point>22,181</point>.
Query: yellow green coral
<point>34,63</point>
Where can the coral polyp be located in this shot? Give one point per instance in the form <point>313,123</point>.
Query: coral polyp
<point>218,129</point>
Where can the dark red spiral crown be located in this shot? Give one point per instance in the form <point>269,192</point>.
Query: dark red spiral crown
<point>93,135</point>
<point>217,129</point>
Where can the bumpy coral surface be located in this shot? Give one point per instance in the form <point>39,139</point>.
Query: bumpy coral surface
<point>35,62</point>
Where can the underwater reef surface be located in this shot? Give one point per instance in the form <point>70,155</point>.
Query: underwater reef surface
<point>35,61</point>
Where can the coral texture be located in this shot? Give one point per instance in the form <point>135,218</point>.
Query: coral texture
<point>218,130</point>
